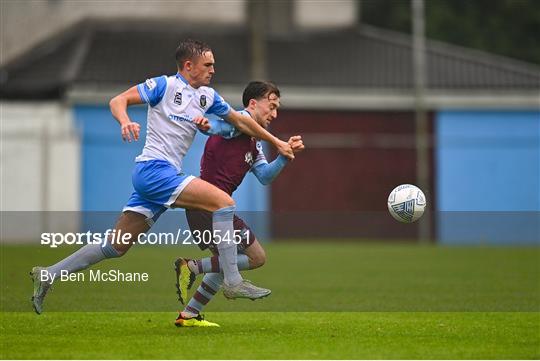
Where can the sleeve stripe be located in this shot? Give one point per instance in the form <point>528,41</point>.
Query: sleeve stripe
<point>142,93</point>
<point>219,106</point>
<point>260,161</point>
<point>161,87</point>
<point>226,112</point>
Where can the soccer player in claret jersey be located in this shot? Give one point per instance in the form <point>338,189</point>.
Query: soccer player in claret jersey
<point>228,156</point>
<point>177,104</point>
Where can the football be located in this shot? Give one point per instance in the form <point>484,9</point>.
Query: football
<point>406,203</point>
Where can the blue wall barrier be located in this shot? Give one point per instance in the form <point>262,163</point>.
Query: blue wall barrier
<point>488,176</point>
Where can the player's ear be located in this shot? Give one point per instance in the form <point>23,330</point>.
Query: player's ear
<point>188,65</point>
<point>252,102</point>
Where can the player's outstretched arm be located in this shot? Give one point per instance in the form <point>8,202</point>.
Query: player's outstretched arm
<point>118,106</point>
<point>247,125</point>
<point>267,172</point>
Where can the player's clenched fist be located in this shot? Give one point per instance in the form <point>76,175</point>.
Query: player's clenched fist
<point>130,131</point>
<point>202,123</point>
<point>285,149</point>
<point>296,143</point>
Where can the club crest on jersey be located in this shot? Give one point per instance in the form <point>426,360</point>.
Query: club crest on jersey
<point>258,145</point>
<point>178,98</point>
<point>202,101</point>
<point>249,158</point>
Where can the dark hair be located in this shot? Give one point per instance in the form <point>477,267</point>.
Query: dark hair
<point>190,49</point>
<point>258,90</point>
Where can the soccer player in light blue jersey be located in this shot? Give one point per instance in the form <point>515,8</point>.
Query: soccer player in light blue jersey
<point>176,104</point>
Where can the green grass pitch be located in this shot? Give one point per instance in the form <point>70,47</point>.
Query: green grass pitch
<point>330,301</point>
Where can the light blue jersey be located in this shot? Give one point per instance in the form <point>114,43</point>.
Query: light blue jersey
<point>173,104</point>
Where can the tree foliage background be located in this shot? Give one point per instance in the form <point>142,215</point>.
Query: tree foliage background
<point>505,27</point>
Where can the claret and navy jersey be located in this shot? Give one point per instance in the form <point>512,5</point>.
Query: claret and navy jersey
<point>226,161</point>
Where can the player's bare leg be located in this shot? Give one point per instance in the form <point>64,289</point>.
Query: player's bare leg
<point>256,255</point>
<point>90,254</point>
<point>201,195</point>
<point>133,223</point>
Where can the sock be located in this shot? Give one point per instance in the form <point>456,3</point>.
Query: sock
<point>209,286</point>
<point>83,258</point>
<point>212,265</point>
<point>222,223</point>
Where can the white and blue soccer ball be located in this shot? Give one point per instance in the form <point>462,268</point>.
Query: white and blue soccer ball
<point>407,203</point>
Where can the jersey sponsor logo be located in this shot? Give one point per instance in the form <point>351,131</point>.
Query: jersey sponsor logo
<point>178,118</point>
<point>178,98</point>
<point>202,101</point>
<point>150,84</point>
<point>249,158</point>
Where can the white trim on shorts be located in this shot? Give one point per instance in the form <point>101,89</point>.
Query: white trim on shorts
<point>178,190</point>
<point>139,209</point>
